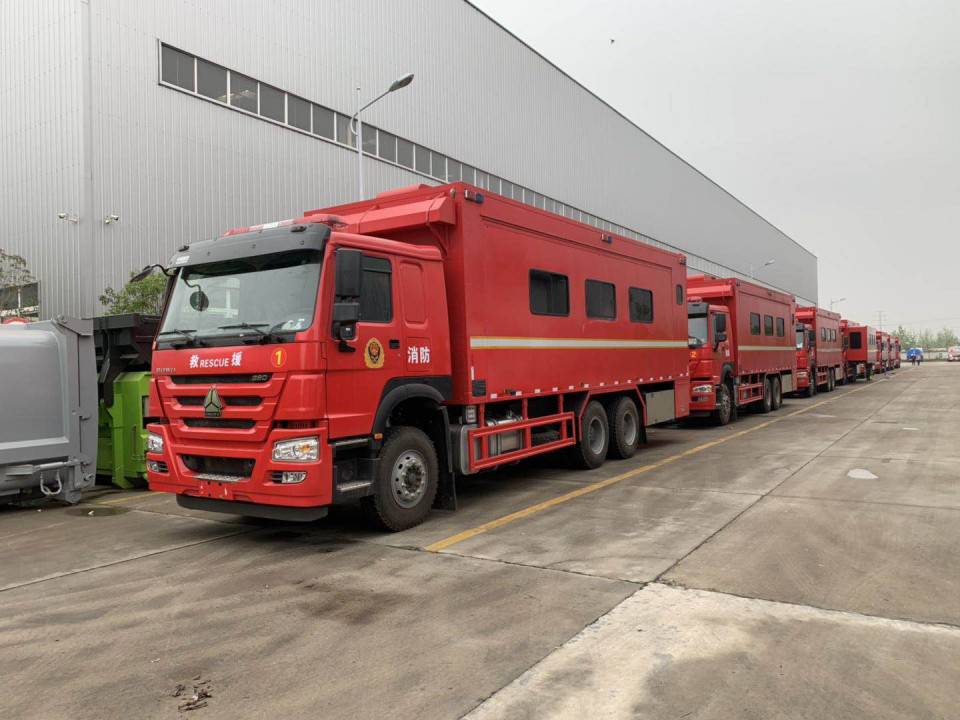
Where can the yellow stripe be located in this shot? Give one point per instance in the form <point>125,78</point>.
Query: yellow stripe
<point>600,485</point>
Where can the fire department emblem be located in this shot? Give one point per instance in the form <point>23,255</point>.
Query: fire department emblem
<point>212,404</point>
<point>373,354</point>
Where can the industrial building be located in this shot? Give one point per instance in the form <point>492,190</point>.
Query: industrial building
<point>132,127</point>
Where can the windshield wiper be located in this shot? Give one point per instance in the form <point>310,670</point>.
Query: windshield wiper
<point>264,336</point>
<point>183,333</point>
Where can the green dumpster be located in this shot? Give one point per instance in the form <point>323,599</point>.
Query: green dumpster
<point>124,347</point>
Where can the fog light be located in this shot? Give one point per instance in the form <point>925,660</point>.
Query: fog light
<point>153,466</point>
<point>154,443</point>
<point>291,477</point>
<point>700,389</point>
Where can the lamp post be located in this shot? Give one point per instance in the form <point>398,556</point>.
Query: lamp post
<point>356,125</point>
<point>834,302</point>
<point>768,262</point>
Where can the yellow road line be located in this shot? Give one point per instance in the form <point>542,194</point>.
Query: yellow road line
<point>601,484</point>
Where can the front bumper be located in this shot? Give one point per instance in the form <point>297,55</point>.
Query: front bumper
<point>802,379</point>
<point>168,472</point>
<point>703,396</point>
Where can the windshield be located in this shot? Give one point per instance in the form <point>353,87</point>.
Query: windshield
<point>264,296</point>
<point>801,334</point>
<point>697,330</point>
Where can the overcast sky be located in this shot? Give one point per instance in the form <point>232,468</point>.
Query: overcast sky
<point>839,122</point>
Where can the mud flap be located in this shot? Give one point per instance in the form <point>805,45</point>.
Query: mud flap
<point>446,498</point>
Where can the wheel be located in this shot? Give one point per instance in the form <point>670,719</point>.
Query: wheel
<point>812,385</point>
<point>831,381</point>
<point>407,479</point>
<point>591,451</point>
<point>776,400</point>
<point>766,405</point>
<point>625,428</point>
<point>724,412</point>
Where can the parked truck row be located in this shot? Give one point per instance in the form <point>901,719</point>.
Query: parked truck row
<point>379,350</point>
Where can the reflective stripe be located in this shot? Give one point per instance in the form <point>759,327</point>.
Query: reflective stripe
<point>489,343</point>
<point>768,347</point>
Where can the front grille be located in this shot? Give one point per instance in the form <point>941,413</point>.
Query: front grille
<point>219,379</point>
<point>240,400</point>
<point>222,466</point>
<point>231,423</point>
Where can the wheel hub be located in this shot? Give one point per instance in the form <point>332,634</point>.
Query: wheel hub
<point>408,481</point>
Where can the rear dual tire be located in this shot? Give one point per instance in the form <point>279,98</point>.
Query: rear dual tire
<point>591,450</point>
<point>626,428</point>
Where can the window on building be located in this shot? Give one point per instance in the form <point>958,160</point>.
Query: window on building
<point>768,324</point>
<point>481,179</point>
<point>376,293</point>
<point>506,189</point>
<point>243,92</point>
<point>298,112</point>
<point>549,293</point>
<point>177,68</point>
<point>781,330</point>
<point>438,166</point>
<point>387,146</point>
<point>369,139</point>
<point>469,174</point>
<point>211,81</point>
<point>271,103</point>
<point>601,300</point>
<point>404,152</point>
<point>324,122</point>
<point>454,170</point>
<point>641,305</point>
<point>493,184</point>
<point>344,133</point>
<point>421,159</point>
<point>754,323</point>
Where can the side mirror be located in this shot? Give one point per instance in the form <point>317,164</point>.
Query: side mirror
<point>345,318</point>
<point>148,271</point>
<point>347,283</point>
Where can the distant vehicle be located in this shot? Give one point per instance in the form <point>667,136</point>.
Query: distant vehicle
<point>953,353</point>
<point>914,353</point>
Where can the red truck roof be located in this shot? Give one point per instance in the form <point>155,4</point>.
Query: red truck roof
<point>762,321</point>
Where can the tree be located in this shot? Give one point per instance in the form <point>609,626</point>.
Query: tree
<point>15,275</point>
<point>144,297</point>
<point>945,338</point>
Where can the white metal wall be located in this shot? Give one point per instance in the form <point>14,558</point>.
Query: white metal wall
<point>176,168</point>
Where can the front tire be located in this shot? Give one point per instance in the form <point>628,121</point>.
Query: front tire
<point>625,428</point>
<point>831,382</point>
<point>812,386</point>
<point>724,412</point>
<point>591,450</point>
<point>407,479</point>
<point>777,399</point>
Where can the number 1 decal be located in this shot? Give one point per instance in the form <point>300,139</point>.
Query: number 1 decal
<point>278,358</point>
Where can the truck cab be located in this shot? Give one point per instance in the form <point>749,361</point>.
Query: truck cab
<point>711,358</point>
<point>277,339</point>
<point>806,341</point>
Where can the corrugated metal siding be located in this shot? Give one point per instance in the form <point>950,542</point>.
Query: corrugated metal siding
<point>176,168</point>
<point>41,144</point>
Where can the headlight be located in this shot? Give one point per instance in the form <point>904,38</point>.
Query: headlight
<point>154,443</point>
<point>699,389</point>
<point>299,450</point>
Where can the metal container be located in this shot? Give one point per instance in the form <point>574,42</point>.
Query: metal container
<point>48,410</point>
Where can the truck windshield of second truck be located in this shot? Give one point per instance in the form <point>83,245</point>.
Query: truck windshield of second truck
<point>697,330</point>
<point>266,297</point>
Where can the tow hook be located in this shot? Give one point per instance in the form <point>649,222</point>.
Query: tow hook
<point>48,491</point>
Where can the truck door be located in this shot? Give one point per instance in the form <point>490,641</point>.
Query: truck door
<point>357,370</point>
<point>419,355</point>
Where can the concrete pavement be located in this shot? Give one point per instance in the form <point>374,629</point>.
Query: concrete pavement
<point>800,564</point>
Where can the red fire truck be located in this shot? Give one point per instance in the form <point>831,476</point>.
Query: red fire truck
<point>819,350</point>
<point>377,350</point>
<point>895,351</point>
<point>740,351</point>
<point>883,352</point>
<point>860,343</point>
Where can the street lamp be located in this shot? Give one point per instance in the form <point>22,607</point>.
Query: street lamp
<point>834,302</point>
<point>768,262</point>
<point>356,125</point>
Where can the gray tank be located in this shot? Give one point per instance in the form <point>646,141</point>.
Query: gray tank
<point>48,410</point>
